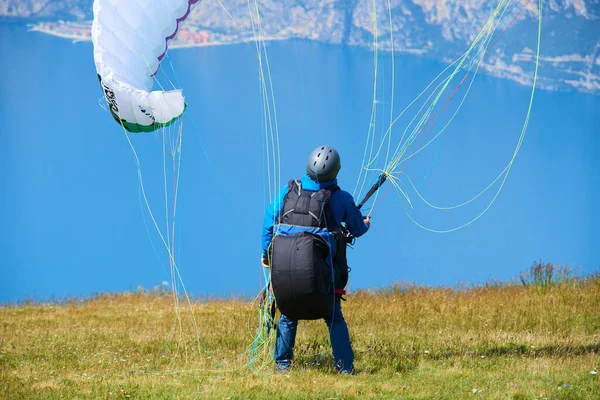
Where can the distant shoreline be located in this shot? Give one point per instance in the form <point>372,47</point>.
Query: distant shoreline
<point>190,36</point>
<point>81,32</point>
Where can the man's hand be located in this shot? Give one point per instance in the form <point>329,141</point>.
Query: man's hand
<point>265,262</point>
<point>367,221</point>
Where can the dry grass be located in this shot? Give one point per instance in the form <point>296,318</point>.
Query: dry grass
<point>508,341</point>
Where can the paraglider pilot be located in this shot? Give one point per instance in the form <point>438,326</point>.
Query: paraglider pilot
<point>304,241</point>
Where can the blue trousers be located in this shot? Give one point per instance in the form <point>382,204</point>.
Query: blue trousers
<point>338,334</point>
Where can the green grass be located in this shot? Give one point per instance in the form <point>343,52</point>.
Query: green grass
<point>530,340</point>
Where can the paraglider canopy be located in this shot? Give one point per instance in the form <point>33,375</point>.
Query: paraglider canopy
<point>130,40</point>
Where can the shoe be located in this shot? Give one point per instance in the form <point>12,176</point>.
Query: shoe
<point>282,369</point>
<point>344,370</point>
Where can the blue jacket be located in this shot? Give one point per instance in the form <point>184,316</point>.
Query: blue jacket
<point>341,204</point>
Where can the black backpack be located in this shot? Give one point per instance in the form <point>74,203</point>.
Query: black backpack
<point>301,277</point>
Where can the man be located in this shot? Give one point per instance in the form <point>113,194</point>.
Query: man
<point>338,207</point>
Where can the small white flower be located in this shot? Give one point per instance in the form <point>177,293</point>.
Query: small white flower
<point>482,356</point>
<point>475,390</point>
<point>593,372</point>
<point>426,351</point>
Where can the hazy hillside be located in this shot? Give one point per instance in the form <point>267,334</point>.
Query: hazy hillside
<point>45,9</point>
<point>438,29</point>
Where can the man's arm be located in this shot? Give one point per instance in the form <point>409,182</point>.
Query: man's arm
<point>355,222</point>
<point>272,212</point>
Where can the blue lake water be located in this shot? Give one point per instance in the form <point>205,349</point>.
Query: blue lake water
<point>72,222</point>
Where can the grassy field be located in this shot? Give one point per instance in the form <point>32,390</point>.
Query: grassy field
<point>532,340</point>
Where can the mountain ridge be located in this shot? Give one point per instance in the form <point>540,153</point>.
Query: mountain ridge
<point>436,29</point>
